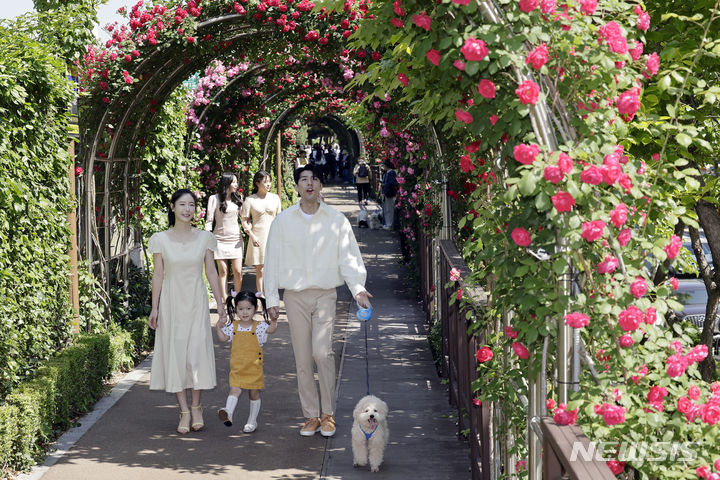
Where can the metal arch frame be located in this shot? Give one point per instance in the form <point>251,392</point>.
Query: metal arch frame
<point>89,228</point>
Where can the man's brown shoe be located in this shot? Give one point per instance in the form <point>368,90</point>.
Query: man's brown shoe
<point>327,425</point>
<point>312,426</point>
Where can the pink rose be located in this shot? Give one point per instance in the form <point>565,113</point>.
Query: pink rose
<point>466,165</point>
<point>459,64</point>
<point>652,64</point>
<point>520,350</point>
<point>630,318</point>
<point>538,57</point>
<point>553,174</point>
<point>312,35</point>
<point>484,355</point>
<point>676,365</point>
<point>650,316</point>
<point>615,466</point>
<point>562,416</point>
<point>461,2</point>
<point>592,175</point>
<point>697,354</point>
<point>637,51</point>
<point>618,215</point>
<point>454,274</point>
<point>613,414</point>
<point>528,92</point>
<point>577,320</point>
<point>684,405</point>
<point>608,265</point>
<point>397,22</point>
<point>547,6</point>
<point>702,472</point>
<point>657,394</point>
<point>639,287</point>
<point>710,414</point>
<point>674,283</point>
<point>626,341</point>
<point>403,79</point>
<point>587,7</point>
<point>422,21</point>
<point>673,248</point>
<point>550,404</point>
<point>474,50</point>
<point>494,119</point>
<point>528,6</point>
<point>592,231</point>
<point>563,201</point>
<point>398,9</point>
<point>521,237</point>
<point>612,34</point>
<point>434,56</point>
<point>526,154</point>
<point>625,181</point>
<point>463,116</point>
<point>510,331</point>
<point>643,21</point>
<point>487,88</point>
<point>624,236</point>
<point>694,393</point>
<point>565,163</point>
<point>628,103</point>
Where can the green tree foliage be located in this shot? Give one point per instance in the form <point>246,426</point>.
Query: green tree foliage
<point>68,24</point>
<point>34,200</point>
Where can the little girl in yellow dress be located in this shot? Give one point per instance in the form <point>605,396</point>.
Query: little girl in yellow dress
<point>246,359</point>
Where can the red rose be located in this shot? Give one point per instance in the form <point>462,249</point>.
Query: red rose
<point>78,170</point>
<point>608,265</point>
<point>398,9</point>
<point>676,365</point>
<point>397,22</point>
<point>650,316</point>
<point>461,2</point>
<point>463,116</point>
<point>521,237</point>
<point>434,56</point>
<point>618,215</point>
<point>639,287</point>
<point>674,283</point>
<point>592,175</point>
<point>562,416</point>
<point>484,355</point>
<point>459,65</point>
<point>587,7</point>
<point>565,163</point>
<point>694,393</point>
<point>592,231</point>
<point>652,64</point>
<point>673,248</point>
<point>553,174</point>
<point>528,92</point>
<point>466,165</point>
<point>710,414</point>
<point>520,350</point>
<point>474,50</point>
<point>547,6</point>
<point>684,405</point>
<point>577,320</point>
<point>526,154</point>
<point>612,34</point>
<point>613,414</point>
<point>312,35</point>
<point>403,79</point>
<point>628,103</point>
<point>474,146</point>
<point>494,119</point>
<point>376,56</point>
<point>626,341</point>
<point>528,6</point>
<point>563,201</point>
<point>637,51</point>
<point>697,354</point>
<point>624,236</point>
<point>630,318</point>
<point>510,332</point>
<point>190,40</point>
<point>538,57</point>
<point>487,89</point>
<point>422,21</point>
<point>615,466</point>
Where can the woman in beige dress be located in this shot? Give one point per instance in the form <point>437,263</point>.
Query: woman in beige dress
<point>224,209</point>
<point>184,357</point>
<point>258,212</point>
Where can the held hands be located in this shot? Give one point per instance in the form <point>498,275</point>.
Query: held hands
<point>255,241</point>
<point>363,299</point>
<point>274,314</point>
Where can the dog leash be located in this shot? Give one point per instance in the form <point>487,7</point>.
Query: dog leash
<point>364,315</point>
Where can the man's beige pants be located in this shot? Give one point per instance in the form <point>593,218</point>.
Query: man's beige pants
<point>311,316</point>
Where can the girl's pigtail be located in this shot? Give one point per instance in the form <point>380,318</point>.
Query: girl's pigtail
<point>230,309</point>
<point>264,308</point>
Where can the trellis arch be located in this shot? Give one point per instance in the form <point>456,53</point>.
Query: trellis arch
<point>124,98</point>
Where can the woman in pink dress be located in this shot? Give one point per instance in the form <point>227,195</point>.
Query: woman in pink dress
<point>224,210</point>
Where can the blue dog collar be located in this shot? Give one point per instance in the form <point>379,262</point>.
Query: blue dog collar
<point>368,435</point>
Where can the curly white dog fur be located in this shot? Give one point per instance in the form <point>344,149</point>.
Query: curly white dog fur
<point>369,432</point>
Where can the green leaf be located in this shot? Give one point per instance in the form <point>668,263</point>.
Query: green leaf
<point>683,139</point>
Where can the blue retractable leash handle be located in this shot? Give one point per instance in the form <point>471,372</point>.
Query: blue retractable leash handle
<point>364,315</point>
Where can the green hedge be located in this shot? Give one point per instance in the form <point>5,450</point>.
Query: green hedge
<point>62,388</point>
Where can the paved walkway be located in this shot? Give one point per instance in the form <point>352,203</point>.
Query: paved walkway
<point>135,437</point>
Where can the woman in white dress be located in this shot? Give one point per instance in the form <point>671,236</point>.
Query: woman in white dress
<point>224,209</point>
<point>183,357</point>
<point>258,212</point>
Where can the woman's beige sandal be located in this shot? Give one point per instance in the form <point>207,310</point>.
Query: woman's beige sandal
<point>184,425</point>
<point>197,417</point>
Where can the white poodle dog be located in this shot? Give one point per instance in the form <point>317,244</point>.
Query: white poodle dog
<point>369,432</point>
<point>374,222</point>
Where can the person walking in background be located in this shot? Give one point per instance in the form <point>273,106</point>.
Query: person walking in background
<point>183,354</point>
<point>246,358</point>
<point>311,250</point>
<point>345,166</point>
<point>361,172</point>
<point>258,212</point>
<point>224,210</point>
<point>389,190</point>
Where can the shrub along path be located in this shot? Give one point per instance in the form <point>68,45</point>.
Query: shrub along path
<point>136,438</point>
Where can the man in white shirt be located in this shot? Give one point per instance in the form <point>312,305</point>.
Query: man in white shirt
<point>311,250</point>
